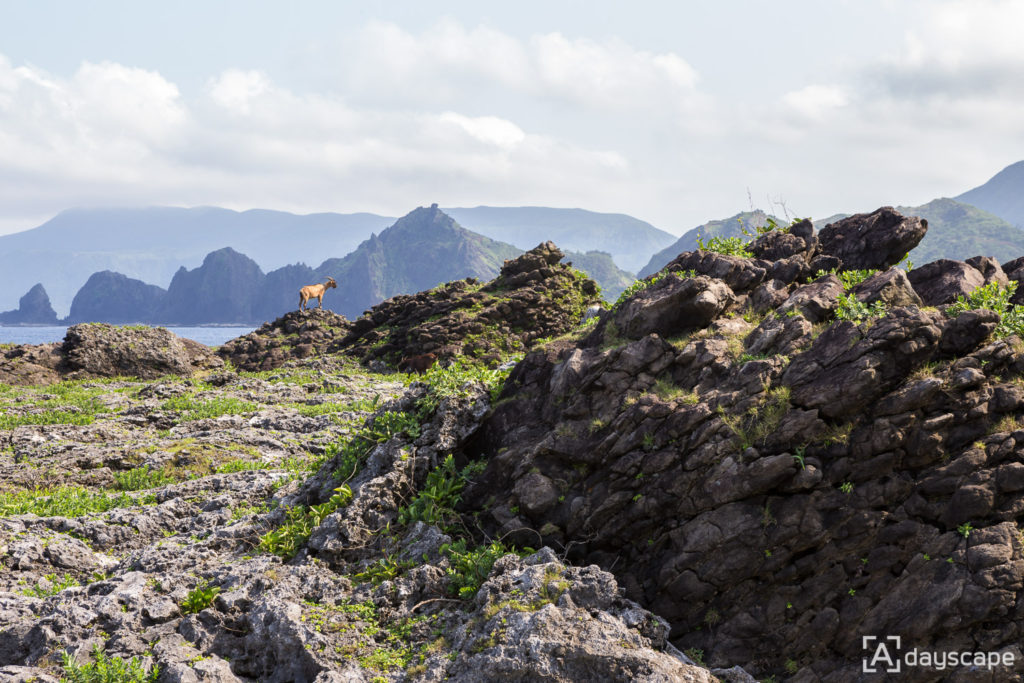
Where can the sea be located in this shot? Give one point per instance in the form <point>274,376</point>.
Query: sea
<point>211,336</point>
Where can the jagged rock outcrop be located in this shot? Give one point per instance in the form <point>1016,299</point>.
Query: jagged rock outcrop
<point>298,334</point>
<point>102,350</point>
<point>33,309</point>
<point>780,483</point>
<point>876,240</point>
<point>534,296</point>
<point>221,290</point>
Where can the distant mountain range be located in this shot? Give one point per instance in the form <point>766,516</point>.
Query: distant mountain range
<point>80,256</point>
<point>151,244</point>
<point>423,249</point>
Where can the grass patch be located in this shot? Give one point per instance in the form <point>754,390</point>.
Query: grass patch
<point>142,478</point>
<point>66,501</point>
<point>190,408</point>
<point>435,502</point>
<point>51,584</point>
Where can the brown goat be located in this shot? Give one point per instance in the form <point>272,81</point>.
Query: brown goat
<point>315,292</point>
<point>418,364</point>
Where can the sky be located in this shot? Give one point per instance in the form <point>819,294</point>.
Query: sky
<point>674,112</point>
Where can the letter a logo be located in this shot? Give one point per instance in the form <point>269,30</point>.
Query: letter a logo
<point>881,655</point>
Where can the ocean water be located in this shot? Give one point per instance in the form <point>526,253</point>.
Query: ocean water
<point>211,336</point>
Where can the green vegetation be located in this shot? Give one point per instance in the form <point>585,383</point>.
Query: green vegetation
<point>105,669</point>
<point>299,523</point>
<point>354,449</point>
<point>142,478</point>
<point>435,502</point>
<point>732,246</point>
<point>199,598</point>
<point>853,309</point>
<point>382,646</point>
<point>455,380</point>
<point>761,420</point>
<point>965,529</point>
<point>994,297</point>
<point>61,403</point>
<point>51,584</point>
<point>190,408</point>
<point>469,568</point>
<point>65,501</point>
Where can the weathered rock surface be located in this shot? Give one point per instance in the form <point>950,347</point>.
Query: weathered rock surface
<point>874,240</point>
<point>121,579</point>
<point>92,350</point>
<point>941,282</point>
<point>778,487</point>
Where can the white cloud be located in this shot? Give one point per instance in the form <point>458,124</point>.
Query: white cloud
<point>814,101</point>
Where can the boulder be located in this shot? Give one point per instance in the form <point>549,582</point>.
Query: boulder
<point>672,306</point>
<point>990,269</point>
<point>816,301</point>
<point>941,282</point>
<point>891,287</point>
<point>846,369</point>
<point>872,240</point>
<point>741,274</point>
<point>102,350</point>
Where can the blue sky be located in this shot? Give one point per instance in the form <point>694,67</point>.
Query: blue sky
<point>674,112</point>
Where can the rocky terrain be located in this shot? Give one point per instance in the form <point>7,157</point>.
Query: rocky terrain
<point>758,456</point>
<point>535,296</point>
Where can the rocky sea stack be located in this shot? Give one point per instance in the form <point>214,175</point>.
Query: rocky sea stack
<point>747,464</point>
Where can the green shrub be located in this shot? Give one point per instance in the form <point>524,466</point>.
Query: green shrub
<point>468,569</point>
<point>853,309</point>
<point>454,380</point>
<point>733,246</point>
<point>105,669</point>
<point>52,585</point>
<point>993,297</point>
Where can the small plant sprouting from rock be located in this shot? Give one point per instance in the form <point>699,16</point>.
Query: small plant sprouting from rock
<point>965,529</point>
<point>51,584</point>
<point>468,569</point>
<point>846,487</point>
<point>299,523</point>
<point>853,309</point>
<point>435,502</point>
<point>105,669</point>
<point>199,598</point>
<point>732,246</point>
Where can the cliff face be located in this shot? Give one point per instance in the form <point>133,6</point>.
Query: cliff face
<point>114,298</point>
<point>221,290</point>
<point>33,309</point>
<point>780,460</point>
